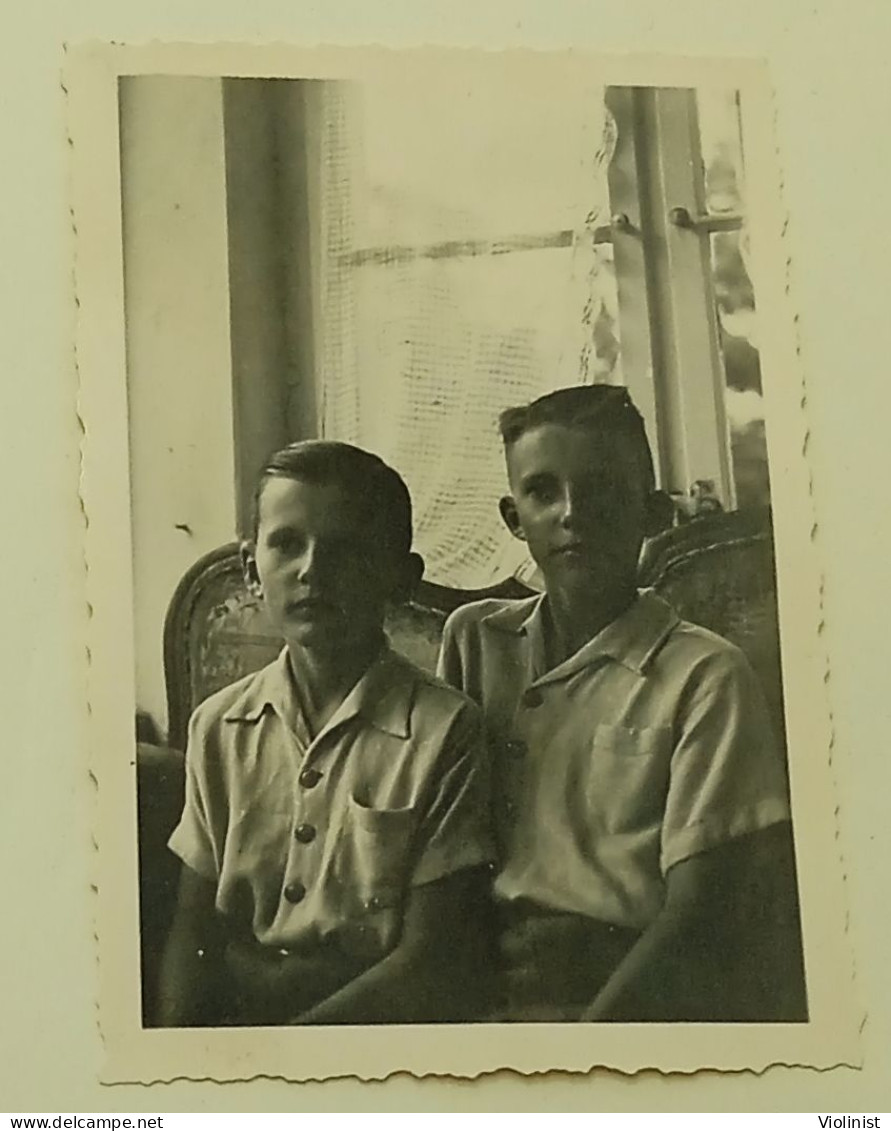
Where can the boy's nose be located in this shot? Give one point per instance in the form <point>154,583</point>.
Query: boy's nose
<point>308,564</point>
<point>568,508</point>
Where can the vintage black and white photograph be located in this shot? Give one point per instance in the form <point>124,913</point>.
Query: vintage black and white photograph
<point>458,662</point>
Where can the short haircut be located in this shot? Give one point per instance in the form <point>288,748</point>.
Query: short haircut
<point>606,409</point>
<point>365,478</point>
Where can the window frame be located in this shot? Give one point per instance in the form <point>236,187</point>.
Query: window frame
<point>660,233</point>
<point>669,331</point>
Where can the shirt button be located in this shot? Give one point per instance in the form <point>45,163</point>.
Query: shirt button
<point>309,778</point>
<point>516,748</point>
<point>294,892</point>
<point>306,834</point>
<point>532,697</point>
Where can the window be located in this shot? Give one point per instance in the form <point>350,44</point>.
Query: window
<point>482,246</point>
<point>467,267</point>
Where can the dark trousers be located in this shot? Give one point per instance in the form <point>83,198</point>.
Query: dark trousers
<point>552,964</point>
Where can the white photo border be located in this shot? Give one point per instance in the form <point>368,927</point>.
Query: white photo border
<point>831,1036</point>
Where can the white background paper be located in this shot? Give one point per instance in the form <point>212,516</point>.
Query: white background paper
<point>831,73</point>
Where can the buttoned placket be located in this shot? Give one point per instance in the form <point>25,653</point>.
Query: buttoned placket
<point>515,768</point>
<point>310,816</point>
<point>529,730</point>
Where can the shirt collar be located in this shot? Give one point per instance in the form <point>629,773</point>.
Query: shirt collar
<point>514,616</point>
<point>632,639</point>
<point>383,695</point>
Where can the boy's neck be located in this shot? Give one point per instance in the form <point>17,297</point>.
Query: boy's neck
<point>323,677</point>
<point>576,618</point>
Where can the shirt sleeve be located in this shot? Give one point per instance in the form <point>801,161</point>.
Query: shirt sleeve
<point>456,829</point>
<point>727,775</point>
<point>193,838</point>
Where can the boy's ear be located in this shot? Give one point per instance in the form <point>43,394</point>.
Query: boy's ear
<point>508,511</point>
<point>414,571</point>
<point>410,576</point>
<point>249,569</point>
<point>659,515</point>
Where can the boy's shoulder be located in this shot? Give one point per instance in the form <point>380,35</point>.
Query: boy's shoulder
<point>432,698</point>
<point>654,619</point>
<point>689,641</point>
<point>691,656</point>
<point>237,697</point>
<point>494,612</point>
<point>394,673</point>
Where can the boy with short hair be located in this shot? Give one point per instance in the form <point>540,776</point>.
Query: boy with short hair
<point>336,823</point>
<point>642,797</point>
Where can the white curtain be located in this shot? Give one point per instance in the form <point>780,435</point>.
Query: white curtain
<point>459,275</point>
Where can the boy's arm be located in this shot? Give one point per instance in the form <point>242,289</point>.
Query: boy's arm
<point>672,963</point>
<point>653,980</point>
<point>436,972</point>
<point>271,988</point>
<point>191,982</point>
<point>678,969</point>
<point>727,857</point>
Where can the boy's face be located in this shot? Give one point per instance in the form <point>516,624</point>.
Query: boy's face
<point>320,565</point>
<point>580,501</point>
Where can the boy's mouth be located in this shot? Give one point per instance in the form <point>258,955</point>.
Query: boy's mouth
<point>578,555</point>
<point>575,549</point>
<point>310,607</point>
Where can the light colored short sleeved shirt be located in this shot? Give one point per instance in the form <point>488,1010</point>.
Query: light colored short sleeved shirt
<point>649,745</point>
<point>312,839</point>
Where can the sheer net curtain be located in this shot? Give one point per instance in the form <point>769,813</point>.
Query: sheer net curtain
<point>459,274</point>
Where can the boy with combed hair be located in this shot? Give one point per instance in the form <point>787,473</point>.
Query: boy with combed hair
<point>336,823</point>
<point>642,798</point>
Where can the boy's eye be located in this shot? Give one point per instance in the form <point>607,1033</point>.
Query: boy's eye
<point>286,542</point>
<point>541,489</point>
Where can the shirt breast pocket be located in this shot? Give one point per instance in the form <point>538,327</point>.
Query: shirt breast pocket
<point>374,855</point>
<point>628,777</point>
<point>373,864</point>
